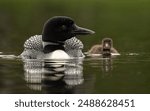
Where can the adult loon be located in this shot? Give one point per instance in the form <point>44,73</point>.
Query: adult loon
<point>57,41</point>
<point>105,48</point>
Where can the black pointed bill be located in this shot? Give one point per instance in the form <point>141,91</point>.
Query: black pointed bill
<point>81,31</point>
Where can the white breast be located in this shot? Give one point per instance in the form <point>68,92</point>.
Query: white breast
<point>57,54</point>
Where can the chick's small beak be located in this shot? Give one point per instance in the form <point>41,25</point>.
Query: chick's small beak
<point>81,31</point>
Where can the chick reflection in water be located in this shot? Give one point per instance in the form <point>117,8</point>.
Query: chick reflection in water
<point>52,76</point>
<point>107,66</point>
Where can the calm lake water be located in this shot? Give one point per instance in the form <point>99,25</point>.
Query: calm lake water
<point>128,73</point>
<point>127,22</point>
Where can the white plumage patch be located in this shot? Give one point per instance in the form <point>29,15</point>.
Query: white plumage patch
<point>57,54</point>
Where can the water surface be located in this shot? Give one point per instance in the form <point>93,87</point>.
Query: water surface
<point>128,73</point>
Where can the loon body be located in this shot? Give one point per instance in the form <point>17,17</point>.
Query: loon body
<point>57,41</point>
<point>33,48</point>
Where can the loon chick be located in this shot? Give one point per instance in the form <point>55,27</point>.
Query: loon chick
<point>57,40</point>
<point>105,48</point>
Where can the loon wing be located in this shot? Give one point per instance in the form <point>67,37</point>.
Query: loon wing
<point>34,42</point>
<point>32,47</point>
<point>74,47</point>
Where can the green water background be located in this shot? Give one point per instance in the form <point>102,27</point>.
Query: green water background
<point>127,22</point>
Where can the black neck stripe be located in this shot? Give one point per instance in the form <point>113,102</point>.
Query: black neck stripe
<point>50,48</point>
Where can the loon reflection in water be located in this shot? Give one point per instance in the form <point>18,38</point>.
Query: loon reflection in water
<point>51,74</point>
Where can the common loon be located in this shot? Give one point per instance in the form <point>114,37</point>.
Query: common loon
<point>57,41</point>
<point>105,48</point>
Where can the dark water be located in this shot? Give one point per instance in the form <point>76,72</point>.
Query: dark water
<point>127,22</point>
<point>128,73</point>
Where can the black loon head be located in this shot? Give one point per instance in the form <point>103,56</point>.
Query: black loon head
<point>60,28</point>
